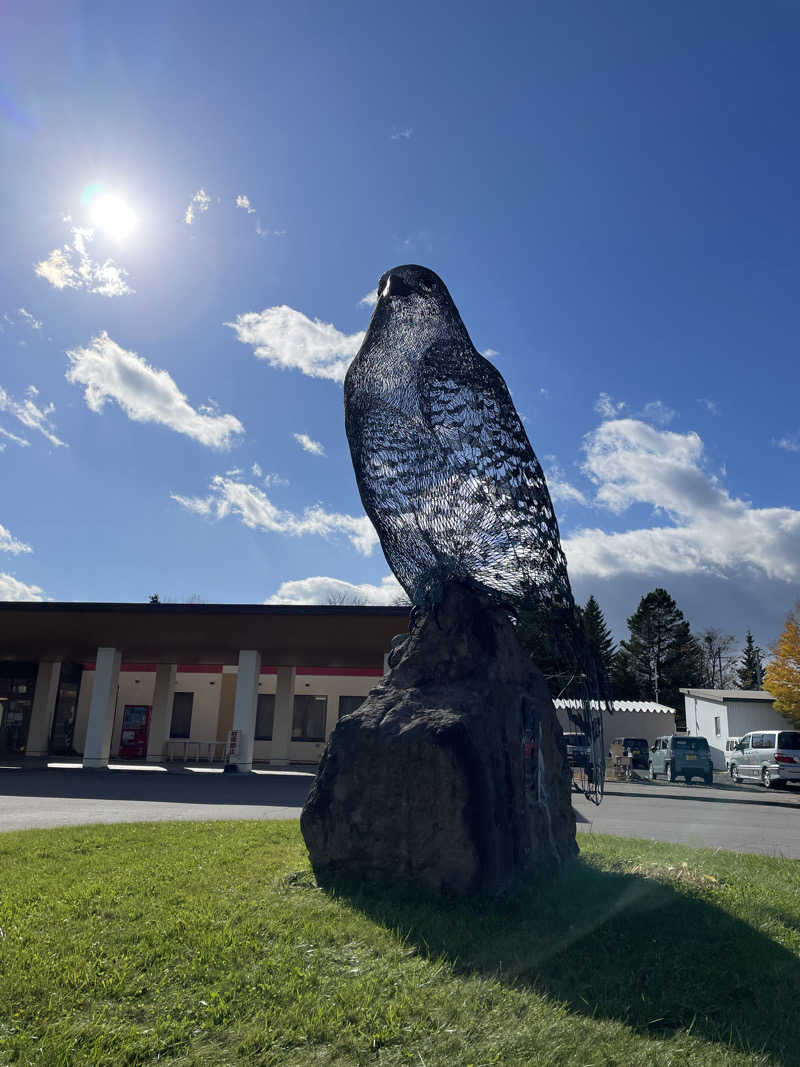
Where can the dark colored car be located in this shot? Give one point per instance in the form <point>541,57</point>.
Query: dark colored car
<point>638,748</point>
<point>578,750</point>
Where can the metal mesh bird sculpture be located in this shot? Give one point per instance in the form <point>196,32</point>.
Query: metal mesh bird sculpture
<point>451,483</point>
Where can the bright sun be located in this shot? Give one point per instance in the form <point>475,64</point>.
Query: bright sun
<point>112,214</point>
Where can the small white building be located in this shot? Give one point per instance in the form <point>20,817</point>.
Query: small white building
<point>718,714</point>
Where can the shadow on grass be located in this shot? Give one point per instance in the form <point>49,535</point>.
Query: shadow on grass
<point>618,946</point>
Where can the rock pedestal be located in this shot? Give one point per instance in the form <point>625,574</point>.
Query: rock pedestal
<point>452,775</point>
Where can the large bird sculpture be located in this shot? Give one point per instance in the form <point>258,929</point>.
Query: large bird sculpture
<point>451,483</point>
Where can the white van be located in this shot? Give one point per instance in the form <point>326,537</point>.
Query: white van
<point>771,757</point>
<point>730,746</point>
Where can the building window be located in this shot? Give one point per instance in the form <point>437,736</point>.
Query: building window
<point>348,704</point>
<point>181,725</point>
<point>265,716</point>
<point>308,720</point>
<point>717,729</point>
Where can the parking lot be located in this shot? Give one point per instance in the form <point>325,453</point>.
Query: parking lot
<point>743,818</point>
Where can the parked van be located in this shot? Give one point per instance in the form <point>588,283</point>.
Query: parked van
<point>681,756</point>
<point>637,747</point>
<point>771,757</point>
<point>730,747</point>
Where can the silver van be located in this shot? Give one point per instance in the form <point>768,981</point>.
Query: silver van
<point>730,751</point>
<point>771,757</point>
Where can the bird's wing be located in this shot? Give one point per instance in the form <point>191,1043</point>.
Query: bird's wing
<point>492,469</point>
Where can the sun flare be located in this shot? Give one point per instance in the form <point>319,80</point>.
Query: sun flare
<point>113,215</point>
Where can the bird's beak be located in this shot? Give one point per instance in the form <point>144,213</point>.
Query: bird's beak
<point>395,286</point>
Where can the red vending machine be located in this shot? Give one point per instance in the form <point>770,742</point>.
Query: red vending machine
<point>135,725</point>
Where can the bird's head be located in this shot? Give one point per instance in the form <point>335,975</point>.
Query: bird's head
<point>414,310</point>
<point>416,283</point>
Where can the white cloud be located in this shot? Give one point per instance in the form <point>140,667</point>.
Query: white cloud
<point>198,205</point>
<point>490,353</point>
<point>561,491</point>
<point>790,443</point>
<point>710,405</point>
<point>9,543</point>
<point>309,445</point>
<point>29,414</point>
<point>608,408</point>
<point>29,320</point>
<point>288,339</point>
<point>144,393</point>
<point>9,436</point>
<point>402,133</point>
<point>369,299</point>
<point>657,411</point>
<point>71,267</point>
<point>244,201</point>
<point>257,511</point>
<point>12,589</point>
<point>706,531</point>
<point>321,590</point>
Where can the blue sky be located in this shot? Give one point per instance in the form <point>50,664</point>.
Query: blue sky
<point>609,191</point>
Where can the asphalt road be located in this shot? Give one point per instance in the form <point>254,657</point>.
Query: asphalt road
<point>744,818</point>
<point>41,798</point>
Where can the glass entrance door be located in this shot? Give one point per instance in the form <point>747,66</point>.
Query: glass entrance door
<point>16,703</point>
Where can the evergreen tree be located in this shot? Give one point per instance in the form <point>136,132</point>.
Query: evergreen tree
<point>660,656</point>
<point>598,635</point>
<point>782,676</point>
<point>750,673</point>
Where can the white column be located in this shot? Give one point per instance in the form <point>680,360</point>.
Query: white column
<point>44,704</point>
<point>244,708</point>
<point>161,714</point>
<point>284,712</point>
<point>101,709</point>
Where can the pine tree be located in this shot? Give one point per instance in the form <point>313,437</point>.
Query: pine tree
<point>750,672</point>
<point>660,655</point>
<point>598,635</point>
<point>782,676</point>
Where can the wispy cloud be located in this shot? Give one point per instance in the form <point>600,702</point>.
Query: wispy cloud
<point>198,205</point>
<point>308,444</point>
<point>608,408</point>
<point>658,412</point>
<point>790,443</point>
<point>71,267</point>
<point>654,411</point>
<point>288,339</point>
<point>256,510</point>
<point>9,543</point>
<point>29,320</point>
<point>369,299</point>
<point>490,353</point>
<point>402,133</point>
<point>12,589</point>
<point>29,413</point>
<point>145,394</point>
<point>710,405</point>
<point>561,491</point>
<point>9,436</point>
<point>244,202</point>
<point>322,590</point>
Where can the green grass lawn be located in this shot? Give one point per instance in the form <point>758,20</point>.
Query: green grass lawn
<point>209,943</point>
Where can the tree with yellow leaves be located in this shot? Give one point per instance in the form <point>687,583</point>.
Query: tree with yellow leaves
<point>782,676</point>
